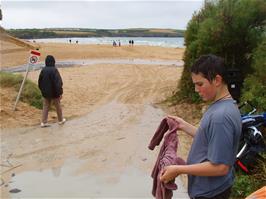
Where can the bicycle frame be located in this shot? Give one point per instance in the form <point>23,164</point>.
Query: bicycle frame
<point>251,141</point>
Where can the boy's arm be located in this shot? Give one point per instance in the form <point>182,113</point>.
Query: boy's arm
<point>184,126</point>
<point>200,169</point>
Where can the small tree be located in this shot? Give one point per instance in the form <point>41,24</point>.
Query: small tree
<point>231,29</point>
<point>254,89</point>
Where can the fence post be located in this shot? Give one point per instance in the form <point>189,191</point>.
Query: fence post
<point>21,87</point>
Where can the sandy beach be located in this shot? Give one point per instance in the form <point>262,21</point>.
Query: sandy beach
<point>112,111</point>
<point>87,87</point>
<point>13,55</point>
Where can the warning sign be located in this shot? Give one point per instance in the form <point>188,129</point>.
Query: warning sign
<point>34,56</point>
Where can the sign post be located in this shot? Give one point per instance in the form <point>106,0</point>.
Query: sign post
<point>33,59</point>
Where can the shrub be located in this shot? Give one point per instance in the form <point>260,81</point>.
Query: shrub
<point>231,29</point>
<point>10,80</point>
<point>254,89</point>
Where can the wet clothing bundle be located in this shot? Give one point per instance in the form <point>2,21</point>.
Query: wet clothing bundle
<point>167,156</point>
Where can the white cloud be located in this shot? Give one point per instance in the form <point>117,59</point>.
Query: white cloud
<point>98,14</point>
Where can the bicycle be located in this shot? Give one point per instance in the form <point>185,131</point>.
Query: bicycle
<point>251,140</point>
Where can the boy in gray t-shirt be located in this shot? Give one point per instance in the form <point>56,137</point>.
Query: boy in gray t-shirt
<point>213,151</point>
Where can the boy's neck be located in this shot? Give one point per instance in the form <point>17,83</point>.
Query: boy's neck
<point>223,94</point>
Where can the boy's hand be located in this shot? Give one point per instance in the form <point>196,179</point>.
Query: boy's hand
<point>179,120</point>
<point>169,173</point>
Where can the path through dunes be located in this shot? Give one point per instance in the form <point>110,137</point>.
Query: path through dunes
<point>102,149</point>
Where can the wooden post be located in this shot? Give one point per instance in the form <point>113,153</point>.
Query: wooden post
<point>21,87</point>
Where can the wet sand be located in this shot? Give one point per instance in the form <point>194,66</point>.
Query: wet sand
<point>102,154</point>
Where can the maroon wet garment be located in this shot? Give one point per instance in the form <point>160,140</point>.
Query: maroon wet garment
<point>167,156</point>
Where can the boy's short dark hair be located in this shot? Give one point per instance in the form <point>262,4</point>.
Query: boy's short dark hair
<point>209,66</point>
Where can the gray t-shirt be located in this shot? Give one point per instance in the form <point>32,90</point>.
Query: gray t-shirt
<point>216,140</point>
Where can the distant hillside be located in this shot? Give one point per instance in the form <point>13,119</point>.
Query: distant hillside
<point>5,37</point>
<point>83,32</point>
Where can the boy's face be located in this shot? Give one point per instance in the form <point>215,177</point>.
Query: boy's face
<point>206,90</point>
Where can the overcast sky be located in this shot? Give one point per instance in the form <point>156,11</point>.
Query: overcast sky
<point>98,14</point>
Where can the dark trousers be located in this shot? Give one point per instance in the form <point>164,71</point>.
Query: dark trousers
<point>223,195</point>
<point>46,105</point>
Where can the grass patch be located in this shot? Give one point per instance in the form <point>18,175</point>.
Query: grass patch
<point>30,93</point>
<point>246,184</point>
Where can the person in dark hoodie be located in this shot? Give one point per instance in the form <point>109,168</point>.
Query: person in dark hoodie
<point>51,86</point>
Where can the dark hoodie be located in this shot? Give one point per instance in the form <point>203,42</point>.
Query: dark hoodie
<point>50,81</point>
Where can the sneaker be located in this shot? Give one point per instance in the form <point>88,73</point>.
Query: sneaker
<point>43,125</point>
<point>62,122</point>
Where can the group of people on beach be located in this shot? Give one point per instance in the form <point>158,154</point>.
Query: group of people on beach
<point>215,141</point>
<point>115,44</point>
<point>118,43</point>
<point>77,41</point>
<point>131,42</point>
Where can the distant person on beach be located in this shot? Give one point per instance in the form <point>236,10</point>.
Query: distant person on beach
<point>51,86</point>
<point>70,41</point>
<point>77,42</point>
<point>114,43</point>
<point>210,163</point>
<point>119,43</point>
<point>131,42</point>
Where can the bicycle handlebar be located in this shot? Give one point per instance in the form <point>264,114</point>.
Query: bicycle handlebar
<point>254,120</point>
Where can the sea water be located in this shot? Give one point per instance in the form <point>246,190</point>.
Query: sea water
<point>174,42</point>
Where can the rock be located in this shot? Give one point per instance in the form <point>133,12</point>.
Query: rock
<point>14,190</point>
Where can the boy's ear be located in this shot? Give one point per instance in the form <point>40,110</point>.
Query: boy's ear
<point>218,80</point>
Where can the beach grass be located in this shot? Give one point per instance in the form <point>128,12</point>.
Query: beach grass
<point>30,94</point>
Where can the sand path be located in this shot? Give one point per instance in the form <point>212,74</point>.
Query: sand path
<point>102,149</point>
<point>107,137</point>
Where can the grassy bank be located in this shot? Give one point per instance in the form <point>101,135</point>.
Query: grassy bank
<point>30,94</point>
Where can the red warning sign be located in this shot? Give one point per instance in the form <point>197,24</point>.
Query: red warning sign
<point>34,56</point>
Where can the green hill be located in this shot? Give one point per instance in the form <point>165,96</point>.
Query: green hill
<point>84,32</point>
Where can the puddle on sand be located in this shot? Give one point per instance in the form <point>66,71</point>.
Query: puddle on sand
<point>64,183</point>
<point>120,176</point>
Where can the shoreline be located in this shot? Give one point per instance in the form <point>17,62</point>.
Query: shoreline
<point>166,42</point>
